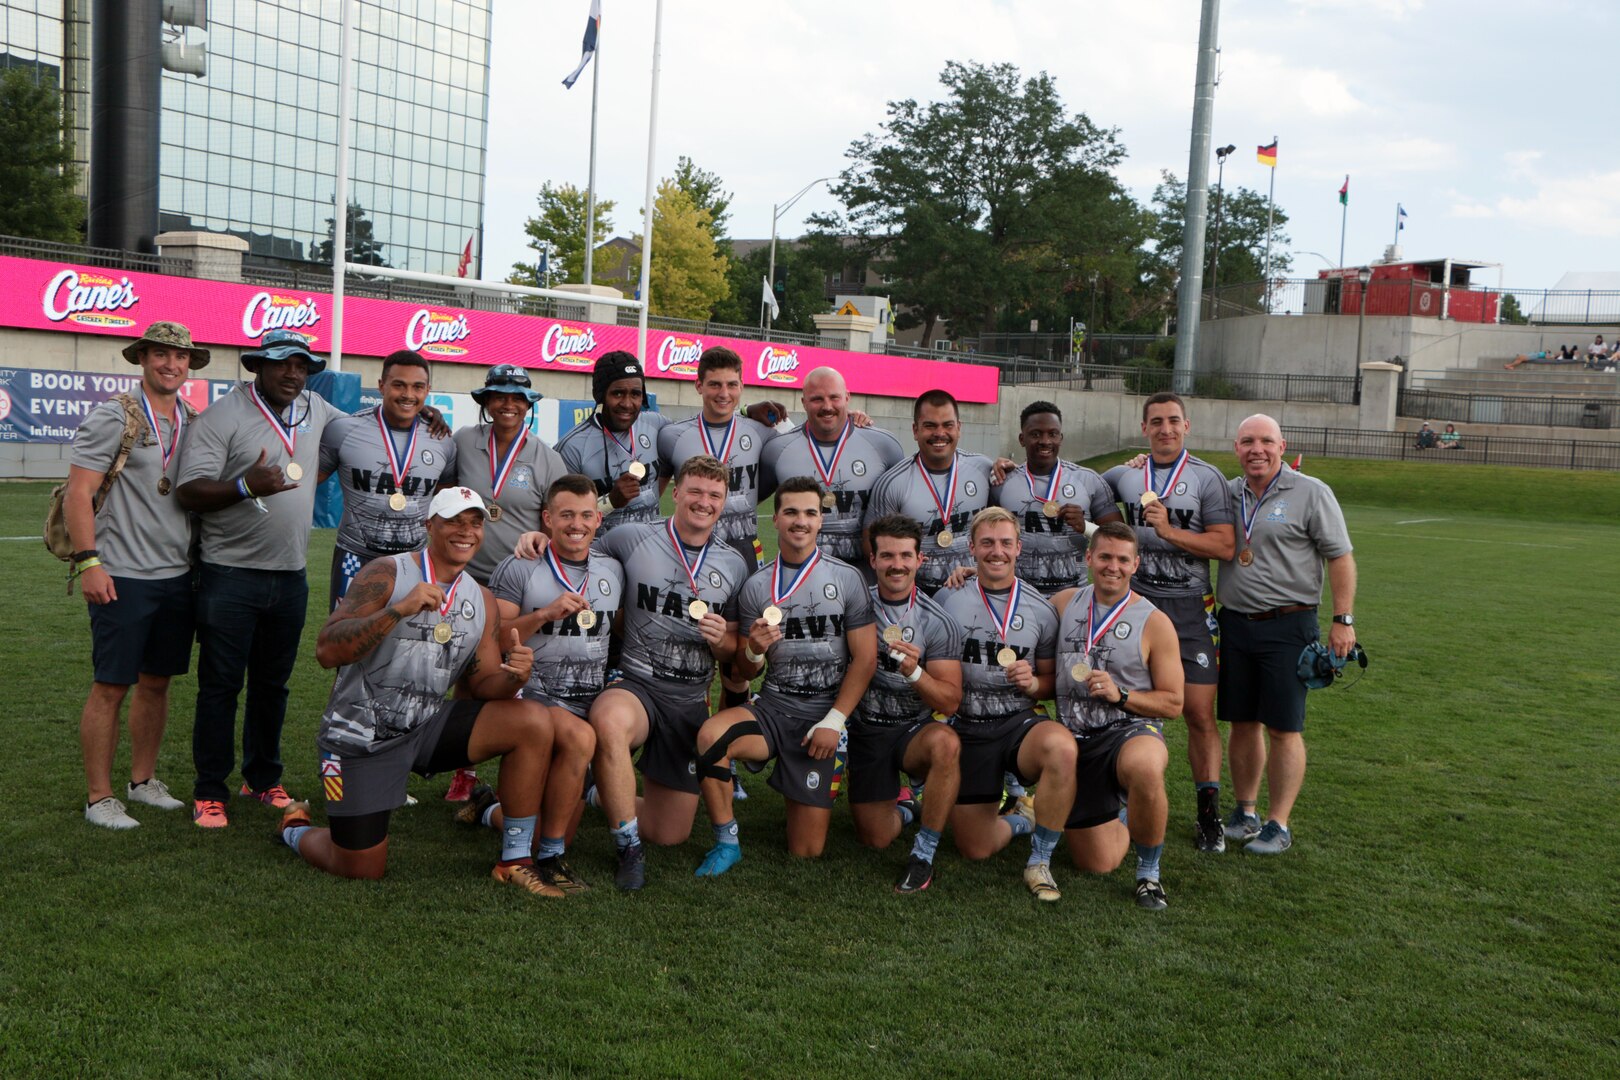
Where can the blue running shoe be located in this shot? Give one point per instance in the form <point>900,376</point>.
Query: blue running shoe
<point>1274,839</point>
<point>721,857</point>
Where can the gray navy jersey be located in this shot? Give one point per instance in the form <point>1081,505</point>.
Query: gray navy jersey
<point>1197,500</point>
<point>890,700</point>
<point>402,682</point>
<point>1054,555</point>
<point>811,660</point>
<point>1118,652</point>
<point>680,440</point>
<point>661,644</point>
<point>522,496</point>
<point>902,490</point>
<point>603,456</point>
<point>987,694</point>
<point>868,454</point>
<point>570,664</point>
<point>352,450</point>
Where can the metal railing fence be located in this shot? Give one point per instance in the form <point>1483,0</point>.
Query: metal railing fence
<point>1476,450</point>
<point>1337,296</point>
<point>1532,410</point>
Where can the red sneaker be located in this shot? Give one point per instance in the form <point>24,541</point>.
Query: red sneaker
<point>461,785</point>
<point>275,797</point>
<point>209,814</point>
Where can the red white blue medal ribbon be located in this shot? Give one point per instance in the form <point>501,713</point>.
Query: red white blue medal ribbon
<point>562,576</point>
<point>432,579</point>
<point>500,469</point>
<point>779,596</point>
<point>1003,623</point>
<point>825,470</point>
<point>949,501</point>
<point>1169,484</point>
<point>630,450</point>
<point>396,465</point>
<point>1094,631</point>
<point>692,568</point>
<point>883,606</point>
<point>1051,488</point>
<point>287,433</point>
<point>1249,516</point>
<point>157,432</point>
<point>724,453</point>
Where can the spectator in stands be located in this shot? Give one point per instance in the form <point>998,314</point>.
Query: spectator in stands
<point>1597,354</point>
<point>1451,438</point>
<point>1542,357</point>
<point>1426,437</point>
<point>1565,352</point>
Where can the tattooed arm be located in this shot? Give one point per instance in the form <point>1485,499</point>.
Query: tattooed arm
<point>364,617</point>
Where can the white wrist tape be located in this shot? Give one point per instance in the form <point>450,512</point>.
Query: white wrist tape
<point>916,674</point>
<point>753,657</point>
<point>834,722</point>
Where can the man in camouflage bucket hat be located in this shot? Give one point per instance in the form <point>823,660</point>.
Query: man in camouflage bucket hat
<point>169,335</point>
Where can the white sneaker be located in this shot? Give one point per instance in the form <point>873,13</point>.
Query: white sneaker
<point>109,814</point>
<point>154,793</point>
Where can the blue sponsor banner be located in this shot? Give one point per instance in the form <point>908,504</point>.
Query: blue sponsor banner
<point>40,406</point>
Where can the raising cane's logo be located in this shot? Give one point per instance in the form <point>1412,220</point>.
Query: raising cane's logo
<point>778,365</point>
<point>89,299</point>
<point>269,311</point>
<point>679,355</point>
<point>568,345</point>
<point>436,333</point>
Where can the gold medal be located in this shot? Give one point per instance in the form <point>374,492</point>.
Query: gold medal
<point>605,505</point>
<point>586,619</point>
<point>772,616</point>
<point>1051,509</point>
<point>697,609</point>
<point>1148,499</point>
<point>945,538</point>
<point>397,501</point>
<point>164,486</point>
<point>892,634</point>
<point>495,511</point>
<point>294,471</point>
<point>637,470</point>
<point>829,500</point>
<point>1006,657</point>
<point>1080,673</point>
<point>442,633</point>
<point>1246,556</point>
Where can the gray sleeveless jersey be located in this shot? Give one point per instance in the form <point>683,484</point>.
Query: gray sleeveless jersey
<point>681,440</point>
<point>902,490</point>
<point>987,694</point>
<point>868,453</point>
<point>1054,555</point>
<point>603,455</point>
<point>1118,652</point>
<point>403,681</point>
<point>352,450</point>
<point>809,663</point>
<point>570,664</point>
<point>1195,501</point>
<point>661,643</point>
<point>890,700</point>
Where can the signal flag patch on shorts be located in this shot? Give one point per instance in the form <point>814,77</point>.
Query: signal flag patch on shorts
<point>332,779</point>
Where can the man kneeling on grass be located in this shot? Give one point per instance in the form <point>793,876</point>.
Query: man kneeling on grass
<point>411,627</point>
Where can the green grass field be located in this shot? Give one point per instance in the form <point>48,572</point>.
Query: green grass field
<point>1447,910</point>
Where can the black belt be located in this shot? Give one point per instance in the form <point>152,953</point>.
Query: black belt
<point>1276,612</point>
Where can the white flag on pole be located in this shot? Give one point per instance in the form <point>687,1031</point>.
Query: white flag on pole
<point>592,24</point>
<point>769,298</point>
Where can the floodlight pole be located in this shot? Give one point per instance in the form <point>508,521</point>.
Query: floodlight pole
<point>590,179</point>
<point>1192,234</point>
<point>340,187</point>
<point>776,213</point>
<point>652,174</point>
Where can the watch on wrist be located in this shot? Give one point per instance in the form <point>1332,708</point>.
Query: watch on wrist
<point>1124,696</point>
<point>1345,620</point>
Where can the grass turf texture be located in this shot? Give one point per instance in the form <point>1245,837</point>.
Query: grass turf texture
<point>1443,910</point>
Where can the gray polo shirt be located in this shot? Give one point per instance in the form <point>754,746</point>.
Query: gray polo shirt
<point>139,533</point>
<point>521,498</point>
<point>222,445</point>
<point>352,450</point>
<point>1297,525</point>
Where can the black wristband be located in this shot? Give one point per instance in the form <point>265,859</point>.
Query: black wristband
<point>87,553</point>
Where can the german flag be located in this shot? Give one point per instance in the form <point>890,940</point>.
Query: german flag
<point>1268,154</point>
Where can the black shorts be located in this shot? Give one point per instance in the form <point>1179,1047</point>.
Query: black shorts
<point>148,630</point>
<point>669,756</point>
<point>990,750</point>
<point>798,776</point>
<point>1097,794</point>
<point>362,790</point>
<point>1196,627</point>
<point>877,754</point>
<point>1260,669</point>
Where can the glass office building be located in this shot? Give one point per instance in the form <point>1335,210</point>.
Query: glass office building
<point>250,148</point>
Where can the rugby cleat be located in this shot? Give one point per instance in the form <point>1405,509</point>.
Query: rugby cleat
<point>557,873</point>
<point>153,792</point>
<point>461,785</point>
<point>1150,895</point>
<point>481,799</point>
<point>275,796</point>
<point>1241,826</point>
<point>109,814</point>
<point>526,877</point>
<point>721,857</point>
<point>1274,839</point>
<point>1038,876</point>
<point>910,809</point>
<point>632,871</point>
<point>209,814</point>
<point>917,877</point>
<point>296,813</point>
<point>1208,834</point>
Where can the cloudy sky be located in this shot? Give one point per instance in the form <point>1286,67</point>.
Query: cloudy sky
<point>1491,122</point>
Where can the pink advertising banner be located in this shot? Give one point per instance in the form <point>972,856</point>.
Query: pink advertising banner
<point>39,295</point>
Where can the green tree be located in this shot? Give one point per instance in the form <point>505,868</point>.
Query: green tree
<point>707,194</point>
<point>991,203</point>
<point>561,223</point>
<point>1243,235</point>
<point>804,295</point>
<point>36,171</point>
<point>688,272</point>
<point>360,245</point>
<point>1511,312</point>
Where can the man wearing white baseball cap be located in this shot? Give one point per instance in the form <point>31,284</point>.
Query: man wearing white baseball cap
<point>411,627</point>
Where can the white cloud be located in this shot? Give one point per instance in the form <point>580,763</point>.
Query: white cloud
<point>1582,205</point>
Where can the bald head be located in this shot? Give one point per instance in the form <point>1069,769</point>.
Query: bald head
<point>826,402</point>
<point>1259,446</point>
<point>1260,422</point>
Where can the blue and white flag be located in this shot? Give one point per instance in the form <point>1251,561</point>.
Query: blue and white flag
<point>592,25</point>
<point>1400,217</point>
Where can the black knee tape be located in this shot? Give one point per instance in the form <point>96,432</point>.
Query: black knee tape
<point>708,759</point>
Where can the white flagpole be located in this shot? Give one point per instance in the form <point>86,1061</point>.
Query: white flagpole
<point>1271,209</point>
<point>590,181</point>
<point>340,188</point>
<point>652,172</point>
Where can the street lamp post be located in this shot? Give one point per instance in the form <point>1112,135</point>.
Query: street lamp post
<point>1363,276</point>
<point>776,214</point>
<point>1220,200</point>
